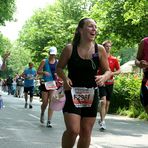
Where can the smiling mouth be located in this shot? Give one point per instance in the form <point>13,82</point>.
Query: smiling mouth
<point>92,34</point>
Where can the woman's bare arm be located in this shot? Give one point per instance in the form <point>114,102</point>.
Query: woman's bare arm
<point>40,68</point>
<point>106,73</point>
<point>63,60</point>
<point>139,61</point>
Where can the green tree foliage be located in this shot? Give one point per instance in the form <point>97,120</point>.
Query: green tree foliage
<point>126,95</point>
<point>123,20</point>
<point>51,26</point>
<point>55,25</point>
<point>37,32</point>
<point>7,8</point>
<point>5,44</point>
<point>19,58</point>
<point>126,54</point>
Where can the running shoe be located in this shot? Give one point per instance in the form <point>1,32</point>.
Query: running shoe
<point>30,106</point>
<point>102,125</point>
<point>25,105</point>
<point>99,122</point>
<point>42,118</point>
<point>49,124</point>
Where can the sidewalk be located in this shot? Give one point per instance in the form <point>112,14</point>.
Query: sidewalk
<point>20,128</point>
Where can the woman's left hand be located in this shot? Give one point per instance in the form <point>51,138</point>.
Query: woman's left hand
<point>100,80</point>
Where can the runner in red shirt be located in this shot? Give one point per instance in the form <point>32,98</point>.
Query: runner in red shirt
<point>106,91</point>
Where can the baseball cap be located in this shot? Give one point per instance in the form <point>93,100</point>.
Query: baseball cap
<point>53,50</point>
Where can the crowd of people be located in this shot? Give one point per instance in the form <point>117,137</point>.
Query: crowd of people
<point>91,69</point>
<point>15,86</point>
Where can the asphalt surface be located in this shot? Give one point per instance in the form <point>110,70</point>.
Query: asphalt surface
<point>20,128</point>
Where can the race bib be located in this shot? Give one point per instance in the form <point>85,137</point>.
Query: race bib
<point>30,76</point>
<point>82,97</point>
<point>50,85</point>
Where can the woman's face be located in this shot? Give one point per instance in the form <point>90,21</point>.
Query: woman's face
<point>89,30</point>
<point>30,65</point>
<point>107,47</point>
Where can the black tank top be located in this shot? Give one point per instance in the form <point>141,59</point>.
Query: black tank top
<point>82,72</point>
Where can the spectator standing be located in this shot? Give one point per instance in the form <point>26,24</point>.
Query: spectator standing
<point>83,58</point>
<point>142,62</point>
<point>4,85</point>
<point>9,83</point>
<point>106,91</point>
<point>1,83</point>
<point>3,62</point>
<point>29,75</point>
<point>47,70</point>
<point>19,86</point>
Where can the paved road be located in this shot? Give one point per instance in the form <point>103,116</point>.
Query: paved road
<point>20,128</point>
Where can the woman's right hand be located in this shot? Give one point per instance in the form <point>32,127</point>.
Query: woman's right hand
<point>143,64</point>
<point>67,84</point>
<point>100,80</point>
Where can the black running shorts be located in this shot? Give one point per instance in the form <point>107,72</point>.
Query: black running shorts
<point>144,94</point>
<point>30,90</point>
<point>106,91</point>
<point>69,107</point>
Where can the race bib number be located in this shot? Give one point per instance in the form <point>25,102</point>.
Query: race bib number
<point>30,76</point>
<point>50,85</point>
<point>82,97</point>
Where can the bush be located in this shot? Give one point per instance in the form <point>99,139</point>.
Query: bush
<point>126,96</point>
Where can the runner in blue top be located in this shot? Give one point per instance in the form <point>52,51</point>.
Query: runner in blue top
<point>29,75</point>
<point>47,70</point>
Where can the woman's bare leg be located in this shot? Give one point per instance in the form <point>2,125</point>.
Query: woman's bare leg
<point>72,122</point>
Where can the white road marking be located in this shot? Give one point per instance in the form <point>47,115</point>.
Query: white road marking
<point>34,116</point>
